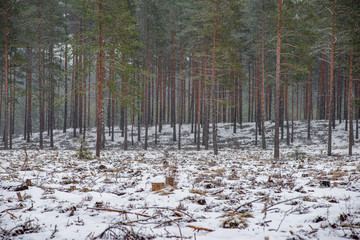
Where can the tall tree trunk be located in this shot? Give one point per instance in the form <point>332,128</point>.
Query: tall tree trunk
<point>199,101</point>
<point>240,101</point>
<point>180,96</point>
<point>125,117</point>
<point>287,114</point>
<point>292,111</point>
<point>263,140</point>
<point>99,85</point>
<point>192,92</point>
<point>173,86</point>
<point>41,102</point>
<point>51,99</point>
<point>158,95</point>
<point>146,110</point>
<point>331,100</point>
<point>249,94</point>
<point>234,100</point>
<point>277,86</point>
<point>206,102</point>
<point>27,122</point>
<point>85,102</point>
<point>213,86</point>
<point>339,92</point>
<point>351,130</point>
<point>310,107</point>
<point>66,89</point>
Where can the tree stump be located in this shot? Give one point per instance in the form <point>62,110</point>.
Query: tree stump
<point>157,186</point>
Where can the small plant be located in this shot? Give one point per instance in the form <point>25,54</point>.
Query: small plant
<point>83,151</point>
<point>238,220</point>
<point>297,154</point>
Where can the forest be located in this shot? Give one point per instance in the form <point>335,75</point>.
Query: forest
<point>222,98</point>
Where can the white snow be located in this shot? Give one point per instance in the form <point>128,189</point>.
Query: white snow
<point>242,186</point>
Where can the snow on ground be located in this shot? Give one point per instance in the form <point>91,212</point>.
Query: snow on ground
<point>243,193</point>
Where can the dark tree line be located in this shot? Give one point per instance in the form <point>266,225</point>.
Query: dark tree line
<point>79,64</point>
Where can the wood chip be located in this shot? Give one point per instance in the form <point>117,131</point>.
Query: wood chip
<point>200,228</point>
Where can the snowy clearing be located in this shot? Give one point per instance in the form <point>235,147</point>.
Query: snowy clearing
<point>240,194</point>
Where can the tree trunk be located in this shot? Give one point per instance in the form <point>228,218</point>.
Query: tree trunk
<point>262,115</point>
<point>277,86</point>
<point>206,102</point>
<point>310,107</point>
<point>180,96</point>
<point>351,130</point>
<point>66,89</point>
<point>99,86</point>
<point>146,110</point>
<point>173,85</point>
<point>331,100</point>
<point>213,86</point>
<point>249,94</point>
<point>41,103</point>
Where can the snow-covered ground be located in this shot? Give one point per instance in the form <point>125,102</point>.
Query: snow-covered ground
<point>243,193</point>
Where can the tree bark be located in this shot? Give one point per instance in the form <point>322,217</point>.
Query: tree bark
<point>213,86</point>
<point>263,140</point>
<point>351,130</point>
<point>277,86</point>
<point>99,85</point>
<point>331,100</point>
<point>310,107</point>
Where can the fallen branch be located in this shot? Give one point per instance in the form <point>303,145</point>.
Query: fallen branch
<point>200,228</point>
<point>53,234</point>
<point>256,200</point>
<point>176,211</point>
<point>12,209</point>
<point>119,211</point>
<point>11,214</point>
<point>288,200</point>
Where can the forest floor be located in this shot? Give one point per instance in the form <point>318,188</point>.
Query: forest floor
<point>242,193</point>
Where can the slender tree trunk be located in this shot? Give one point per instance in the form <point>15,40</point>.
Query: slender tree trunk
<point>287,115</point>
<point>263,140</point>
<point>339,92</point>
<point>147,88</point>
<point>277,86</point>
<point>240,101</point>
<point>66,90</point>
<point>41,103</point>
<point>126,117</point>
<point>51,99</point>
<point>158,94</point>
<point>351,130</point>
<point>310,107</point>
<point>346,102</point>
<point>292,111</point>
<point>180,96</point>
<point>173,85</point>
<point>193,90</point>
<point>89,96</point>
<point>214,131</point>
<point>29,108</point>
<point>234,101</point>
<point>99,85</point>
<point>199,101</point>
<point>331,100</point>
<point>85,102</point>
<point>1,98</point>
<point>189,90</point>
<point>249,94</point>
<point>161,92</point>
<point>206,101</point>
<point>27,122</point>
